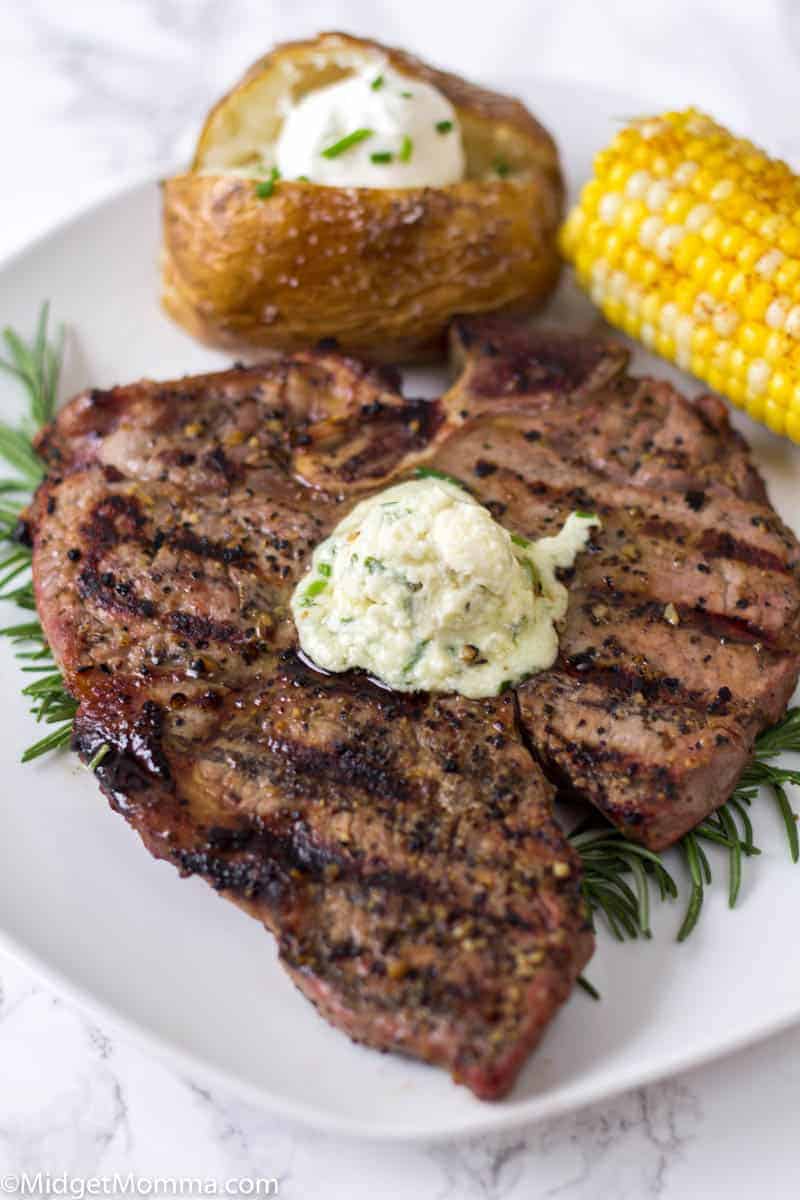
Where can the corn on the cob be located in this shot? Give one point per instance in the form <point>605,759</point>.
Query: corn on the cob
<point>689,239</point>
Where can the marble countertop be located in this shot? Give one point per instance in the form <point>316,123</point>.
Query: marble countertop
<point>96,91</point>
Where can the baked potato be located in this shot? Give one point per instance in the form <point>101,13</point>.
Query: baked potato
<point>249,266</point>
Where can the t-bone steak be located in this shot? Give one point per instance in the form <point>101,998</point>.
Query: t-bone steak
<point>402,848</point>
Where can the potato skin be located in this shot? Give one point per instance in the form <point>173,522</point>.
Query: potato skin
<point>380,270</point>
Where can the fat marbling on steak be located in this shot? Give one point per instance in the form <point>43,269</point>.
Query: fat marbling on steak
<point>403,848</point>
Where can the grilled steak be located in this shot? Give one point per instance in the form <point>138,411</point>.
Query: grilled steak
<point>402,848</point>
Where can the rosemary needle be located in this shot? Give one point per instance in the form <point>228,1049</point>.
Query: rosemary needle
<point>589,988</point>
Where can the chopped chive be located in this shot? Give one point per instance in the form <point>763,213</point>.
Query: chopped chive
<point>407,95</point>
<point>266,187</point>
<point>303,179</point>
<point>585,516</point>
<point>324,569</point>
<point>406,149</point>
<point>531,569</point>
<point>502,168</point>
<point>381,156</point>
<point>519,540</point>
<point>444,126</point>
<point>432,473</point>
<point>377,83</point>
<point>313,590</point>
<point>373,564</point>
<point>347,142</point>
<point>419,650</point>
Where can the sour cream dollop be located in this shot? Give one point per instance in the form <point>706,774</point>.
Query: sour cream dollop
<point>422,588</point>
<point>408,134</point>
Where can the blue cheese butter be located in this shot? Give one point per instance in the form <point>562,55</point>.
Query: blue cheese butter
<point>423,589</point>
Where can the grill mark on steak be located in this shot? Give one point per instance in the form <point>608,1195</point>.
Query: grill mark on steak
<point>201,630</point>
<point>709,625</point>
<point>714,544</point>
<point>112,594</point>
<point>402,847</point>
<point>301,766</point>
<point>720,544</point>
<point>203,547</point>
<point>614,678</point>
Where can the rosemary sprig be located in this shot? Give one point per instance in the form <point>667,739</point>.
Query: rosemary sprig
<point>37,366</point>
<point>609,861</point>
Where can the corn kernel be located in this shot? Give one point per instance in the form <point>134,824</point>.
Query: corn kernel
<point>677,206</point>
<point>716,379</point>
<point>770,227</point>
<point>713,230</point>
<point>703,340</point>
<point>752,337</point>
<point>631,216</point>
<point>739,285</point>
<point>792,323</point>
<point>736,390</point>
<point>615,247</point>
<point>725,320</point>
<point>637,185</point>
<point>780,388</point>
<point>775,416</point>
<point>651,271</point>
<point>767,266</point>
<point>590,195</point>
<point>684,292</point>
<point>758,376</point>
<point>757,301</point>
<point>664,345</point>
<point>632,261</point>
<point>755,406</point>
<point>719,280</point>
<point>618,175</point>
<point>651,307</point>
<point>752,218</point>
<point>787,274</point>
<point>705,264</point>
<point>738,363</point>
<point>731,241</point>
<point>608,207</point>
<point>687,251</point>
<point>613,310</point>
<point>751,251</point>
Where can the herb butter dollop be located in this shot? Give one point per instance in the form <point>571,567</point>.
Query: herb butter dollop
<point>423,589</point>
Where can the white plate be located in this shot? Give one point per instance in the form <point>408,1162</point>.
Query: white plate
<point>84,905</point>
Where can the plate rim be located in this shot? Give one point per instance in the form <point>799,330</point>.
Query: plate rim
<point>490,1118</point>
